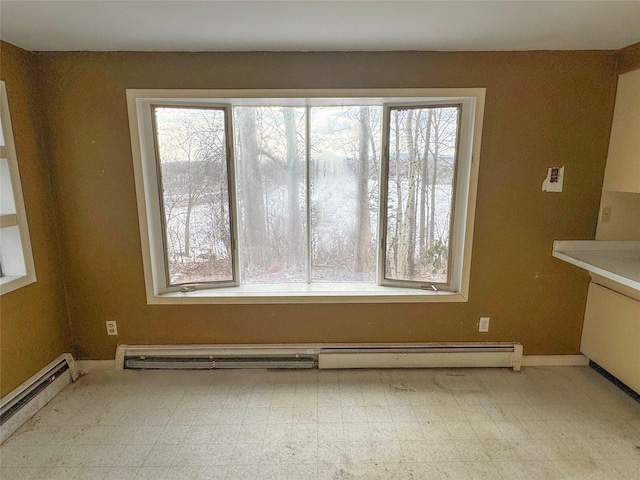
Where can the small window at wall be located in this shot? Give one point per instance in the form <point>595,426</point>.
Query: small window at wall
<point>16,260</point>
<point>271,197</point>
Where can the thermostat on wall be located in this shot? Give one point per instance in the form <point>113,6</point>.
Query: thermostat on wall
<point>553,182</point>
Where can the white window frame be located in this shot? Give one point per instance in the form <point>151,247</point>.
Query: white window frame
<point>464,154</point>
<point>17,257</point>
<point>157,234</point>
<point>140,104</point>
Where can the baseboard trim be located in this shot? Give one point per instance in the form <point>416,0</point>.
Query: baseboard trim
<point>89,366</point>
<point>31,407</point>
<point>554,360</point>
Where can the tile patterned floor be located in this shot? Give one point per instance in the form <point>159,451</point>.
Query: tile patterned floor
<point>543,423</point>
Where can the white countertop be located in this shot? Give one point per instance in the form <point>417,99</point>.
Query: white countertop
<point>617,261</point>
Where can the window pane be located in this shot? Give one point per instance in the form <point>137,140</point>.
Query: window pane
<point>344,166</point>
<point>422,154</point>
<point>11,253</point>
<point>270,160</point>
<point>195,192</point>
<point>7,199</point>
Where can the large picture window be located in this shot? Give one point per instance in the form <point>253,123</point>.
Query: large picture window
<point>308,195</point>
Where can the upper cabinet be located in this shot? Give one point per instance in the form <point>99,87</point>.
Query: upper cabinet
<point>623,163</point>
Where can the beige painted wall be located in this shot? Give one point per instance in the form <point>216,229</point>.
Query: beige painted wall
<point>625,216</point>
<point>34,324</point>
<point>543,109</point>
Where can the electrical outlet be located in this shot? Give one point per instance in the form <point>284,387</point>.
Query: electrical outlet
<point>484,324</point>
<point>112,328</point>
<point>606,214</point>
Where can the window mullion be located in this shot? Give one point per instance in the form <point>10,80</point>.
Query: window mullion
<point>383,193</point>
<point>233,204</point>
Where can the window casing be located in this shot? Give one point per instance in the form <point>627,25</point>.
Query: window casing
<point>16,259</point>
<point>447,282</point>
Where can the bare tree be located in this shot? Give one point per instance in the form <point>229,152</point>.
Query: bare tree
<point>191,158</point>
<point>294,225</point>
<point>435,153</point>
<point>363,226</point>
<point>423,188</point>
<point>191,148</point>
<point>423,141</point>
<point>397,240</point>
<point>257,245</point>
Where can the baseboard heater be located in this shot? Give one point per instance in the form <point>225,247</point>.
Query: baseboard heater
<point>448,355</point>
<point>323,356</point>
<point>23,402</point>
<point>211,362</point>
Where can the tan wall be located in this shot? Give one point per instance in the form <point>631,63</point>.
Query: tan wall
<point>629,58</point>
<point>543,109</point>
<point>34,325</point>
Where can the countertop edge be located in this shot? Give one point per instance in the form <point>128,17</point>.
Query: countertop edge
<point>580,245</point>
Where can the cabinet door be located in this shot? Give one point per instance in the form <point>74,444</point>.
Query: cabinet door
<point>623,162</point>
<point>611,334</point>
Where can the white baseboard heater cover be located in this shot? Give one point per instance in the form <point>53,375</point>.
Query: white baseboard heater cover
<point>324,356</point>
<point>209,357</point>
<point>212,362</point>
<point>23,402</point>
<point>450,355</point>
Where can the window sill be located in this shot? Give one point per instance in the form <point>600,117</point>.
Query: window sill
<point>9,283</point>
<point>304,293</point>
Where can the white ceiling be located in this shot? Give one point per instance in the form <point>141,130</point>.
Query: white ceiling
<point>306,25</point>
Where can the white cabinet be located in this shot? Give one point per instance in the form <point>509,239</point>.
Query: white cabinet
<point>611,334</point>
<point>623,162</point>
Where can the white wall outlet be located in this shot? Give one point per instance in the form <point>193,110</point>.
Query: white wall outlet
<point>606,214</point>
<point>483,326</point>
<point>554,180</point>
<point>112,328</point>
